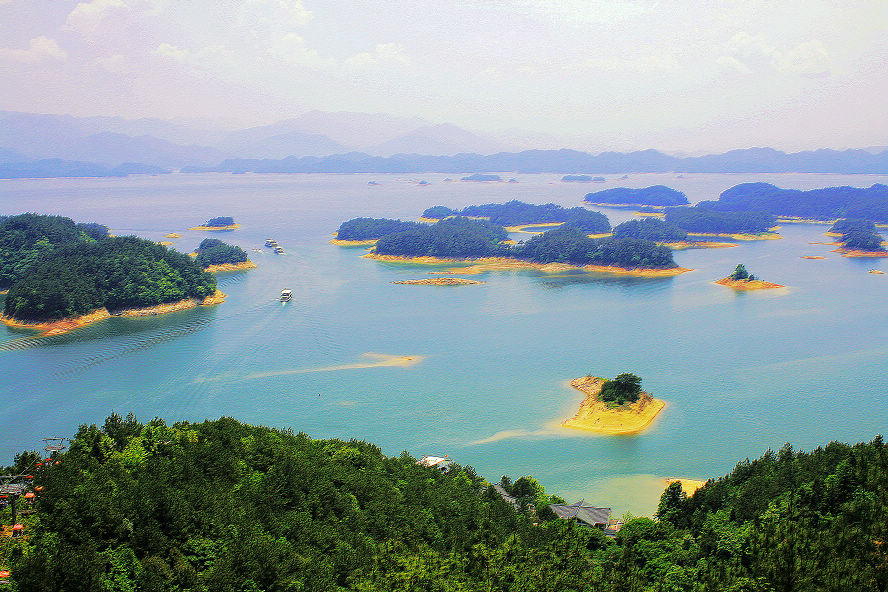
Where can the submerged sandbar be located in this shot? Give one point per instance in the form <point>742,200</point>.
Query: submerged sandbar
<point>599,417</point>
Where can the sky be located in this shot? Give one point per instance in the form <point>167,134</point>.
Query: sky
<point>680,75</point>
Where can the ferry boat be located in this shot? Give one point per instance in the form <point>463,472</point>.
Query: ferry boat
<point>278,250</point>
<point>270,242</point>
<point>286,295</point>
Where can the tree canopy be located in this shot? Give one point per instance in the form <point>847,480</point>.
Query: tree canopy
<point>220,221</point>
<point>655,195</point>
<point>359,229</point>
<point>651,229</point>
<point>827,203</point>
<point>623,388</point>
<point>704,219</point>
<point>212,251</point>
<point>516,213</point>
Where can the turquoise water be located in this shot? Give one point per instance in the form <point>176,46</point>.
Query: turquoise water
<point>740,372</point>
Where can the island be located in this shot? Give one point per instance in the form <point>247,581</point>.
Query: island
<point>75,283</point>
<point>439,281</point>
<point>663,233</point>
<point>858,238</point>
<point>482,243</point>
<point>613,407</point>
<point>655,195</point>
<point>703,220</point>
<point>361,232</point>
<point>514,215</point>
<point>741,279</point>
<point>482,178</point>
<point>794,205</point>
<point>213,255</point>
<point>218,224</point>
<point>582,179</point>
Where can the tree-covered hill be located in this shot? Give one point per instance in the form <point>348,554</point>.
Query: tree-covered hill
<point>25,237</point>
<point>451,237</point>
<point>568,245</point>
<point>360,229</point>
<point>827,203</point>
<point>652,229</point>
<point>212,251</point>
<point>516,213</point>
<point>113,273</point>
<point>655,195</point>
<point>703,219</point>
<point>224,506</point>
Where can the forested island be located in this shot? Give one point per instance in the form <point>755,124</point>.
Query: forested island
<point>366,231</point>
<point>613,407</point>
<point>514,214</point>
<point>219,223</point>
<point>655,195</point>
<point>741,279</point>
<point>464,239</point>
<point>224,506</point>
<point>213,255</point>
<point>62,275</point>
<point>828,203</point>
<point>858,238</point>
<point>703,220</point>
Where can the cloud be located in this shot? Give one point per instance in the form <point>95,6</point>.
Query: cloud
<point>287,14</point>
<point>384,54</point>
<point>39,49</point>
<point>584,12</point>
<point>293,49</point>
<point>747,53</point>
<point>210,56</point>
<point>87,17</point>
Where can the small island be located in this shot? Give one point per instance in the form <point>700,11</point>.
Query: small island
<point>482,178</point>
<point>655,195</point>
<point>218,224</point>
<point>613,407</point>
<point>364,232</point>
<point>663,233</point>
<point>439,281</point>
<point>703,220</point>
<point>741,279</point>
<point>213,255</point>
<point>517,214</point>
<point>858,238</point>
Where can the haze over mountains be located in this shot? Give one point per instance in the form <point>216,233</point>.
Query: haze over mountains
<point>36,145</point>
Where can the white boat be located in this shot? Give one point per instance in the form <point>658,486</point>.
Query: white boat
<point>270,242</point>
<point>286,295</point>
<point>278,250</point>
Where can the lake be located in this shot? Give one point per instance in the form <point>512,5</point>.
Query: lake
<point>487,382</point>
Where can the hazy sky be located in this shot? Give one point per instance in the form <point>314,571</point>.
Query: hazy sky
<point>680,74</point>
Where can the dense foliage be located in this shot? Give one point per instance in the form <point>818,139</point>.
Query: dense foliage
<point>652,229</point>
<point>844,225</point>
<point>655,195</point>
<point>114,273</point>
<point>24,238</point>
<point>862,240</point>
<point>224,506</point>
<point>212,251</point>
<point>568,245</point>
<point>516,213</point>
<point>451,237</point>
<point>703,219</point>
<point>359,229</point>
<point>827,203</point>
<point>220,221</point>
<point>623,388</point>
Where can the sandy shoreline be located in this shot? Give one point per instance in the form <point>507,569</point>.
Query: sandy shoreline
<point>441,281</point>
<point>682,245</point>
<point>521,227</point>
<point>172,235</point>
<point>812,257</point>
<point>595,416</point>
<point>61,326</point>
<point>216,228</point>
<point>353,243</point>
<point>484,264</point>
<point>747,285</point>
<point>853,253</point>
<point>231,266</point>
<point>741,237</point>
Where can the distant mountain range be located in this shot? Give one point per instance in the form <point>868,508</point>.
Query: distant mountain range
<point>344,142</point>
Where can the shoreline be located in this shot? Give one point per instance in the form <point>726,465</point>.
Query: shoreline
<point>741,236</point>
<point>216,228</point>
<point>854,253</point>
<point>596,417</point>
<point>61,326</point>
<point>683,245</point>
<point>623,206</point>
<point>231,266</point>
<point>353,243</point>
<point>440,281</point>
<point>747,285</point>
<point>483,264</point>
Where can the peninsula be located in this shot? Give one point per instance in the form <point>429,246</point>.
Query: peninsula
<point>218,224</point>
<point>616,417</point>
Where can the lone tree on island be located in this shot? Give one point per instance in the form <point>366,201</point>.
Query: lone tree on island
<point>740,272</point>
<point>624,388</point>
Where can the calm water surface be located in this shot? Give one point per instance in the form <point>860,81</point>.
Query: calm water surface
<point>740,372</point>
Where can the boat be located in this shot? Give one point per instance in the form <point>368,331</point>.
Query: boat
<point>278,250</point>
<point>286,295</point>
<point>270,242</point>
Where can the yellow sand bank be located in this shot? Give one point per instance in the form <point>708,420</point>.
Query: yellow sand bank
<point>747,285</point>
<point>741,237</point>
<point>485,264</point>
<point>649,214</point>
<point>799,220</point>
<point>69,324</point>
<point>621,206</point>
<point>853,253</point>
<point>441,281</point>
<point>682,245</point>
<point>353,243</point>
<point>429,220</point>
<point>231,266</point>
<point>216,228</point>
<point>812,257</point>
<point>173,235</point>
<point>689,486</point>
<point>596,416</point>
<point>522,227</point>
<point>165,243</point>
<point>876,272</point>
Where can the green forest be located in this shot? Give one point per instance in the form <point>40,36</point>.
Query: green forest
<point>655,195</point>
<point>224,506</point>
<point>516,213</point>
<point>704,219</point>
<point>359,229</point>
<point>652,229</point>
<point>827,203</point>
<point>212,251</point>
<point>451,237</point>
